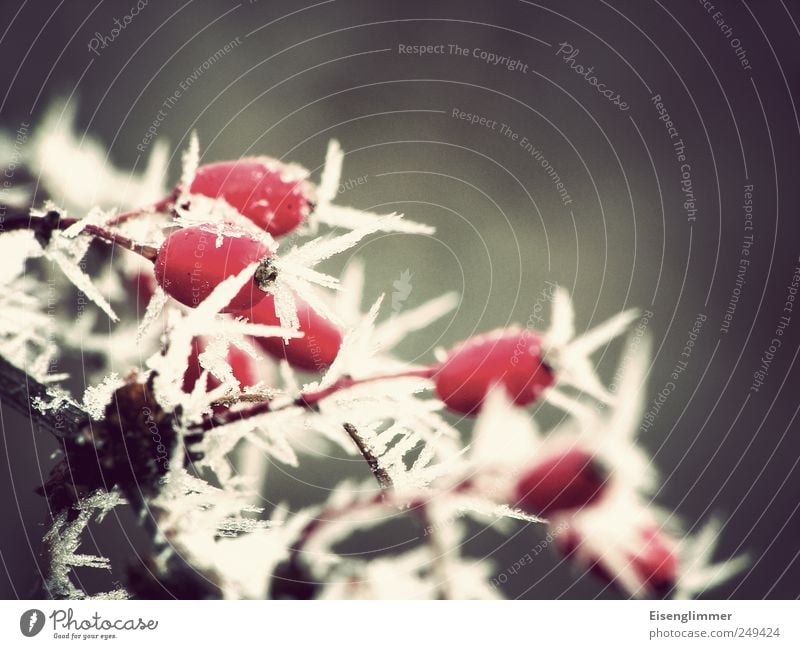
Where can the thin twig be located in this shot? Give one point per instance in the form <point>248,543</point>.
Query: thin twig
<point>381,475</point>
<point>244,397</point>
<point>43,227</point>
<point>148,252</point>
<point>159,207</point>
<point>309,400</point>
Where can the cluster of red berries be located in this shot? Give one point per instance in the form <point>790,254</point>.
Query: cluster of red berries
<point>652,560</point>
<point>567,483</point>
<point>192,262</point>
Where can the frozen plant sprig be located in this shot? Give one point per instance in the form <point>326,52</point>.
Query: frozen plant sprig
<point>194,395</point>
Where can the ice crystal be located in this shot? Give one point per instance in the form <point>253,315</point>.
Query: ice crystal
<point>170,366</point>
<point>27,324</point>
<point>698,572</point>
<point>64,539</point>
<point>154,308</point>
<point>190,161</point>
<point>67,251</point>
<point>96,398</point>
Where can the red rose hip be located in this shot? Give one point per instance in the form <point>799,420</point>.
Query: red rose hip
<point>511,358</point>
<point>564,481</point>
<point>273,195</point>
<point>314,352</point>
<point>144,285</point>
<point>189,265</point>
<point>654,561</point>
<point>242,364</point>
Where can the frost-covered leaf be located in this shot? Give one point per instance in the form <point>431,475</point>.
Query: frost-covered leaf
<point>196,209</point>
<point>337,216</point>
<point>67,253</point>
<point>351,293</point>
<point>170,366</point>
<point>698,572</point>
<point>431,571</point>
<point>63,540</point>
<point>392,331</point>
<point>190,161</point>
<point>321,248</point>
<point>503,434</point>
<point>331,173</point>
<point>587,343</point>
<point>355,351</point>
<point>630,395</point>
<point>154,308</point>
<point>562,325</point>
<point>248,562</point>
<point>609,432</point>
<point>26,329</point>
<point>77,172</point>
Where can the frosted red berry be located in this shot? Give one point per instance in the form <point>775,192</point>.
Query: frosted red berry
<point>242,364</point>
<point>273,195</point>
<point>143,285</point>
<point>314,352</point>
<point>561,482</point>
<point>654,560</point>
<point>511,358</point>
<point>189,265</point>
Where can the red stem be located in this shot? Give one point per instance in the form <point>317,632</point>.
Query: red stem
<point>310,400</point>
<point>159,206</point>
<point>43,227</point>
<point>148,252</point>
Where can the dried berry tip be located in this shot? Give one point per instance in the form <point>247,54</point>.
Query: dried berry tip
<point>266,274</point>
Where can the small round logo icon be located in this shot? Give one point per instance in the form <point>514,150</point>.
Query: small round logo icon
<point>31,622</point>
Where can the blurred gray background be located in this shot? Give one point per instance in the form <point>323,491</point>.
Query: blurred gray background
<point>301,73</point>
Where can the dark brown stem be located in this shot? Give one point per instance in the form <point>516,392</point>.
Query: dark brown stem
<point>244,397</point>
<point>235,415</point>
<point>381,475</point>
<point>18,389</point>
<point>43,227</point>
